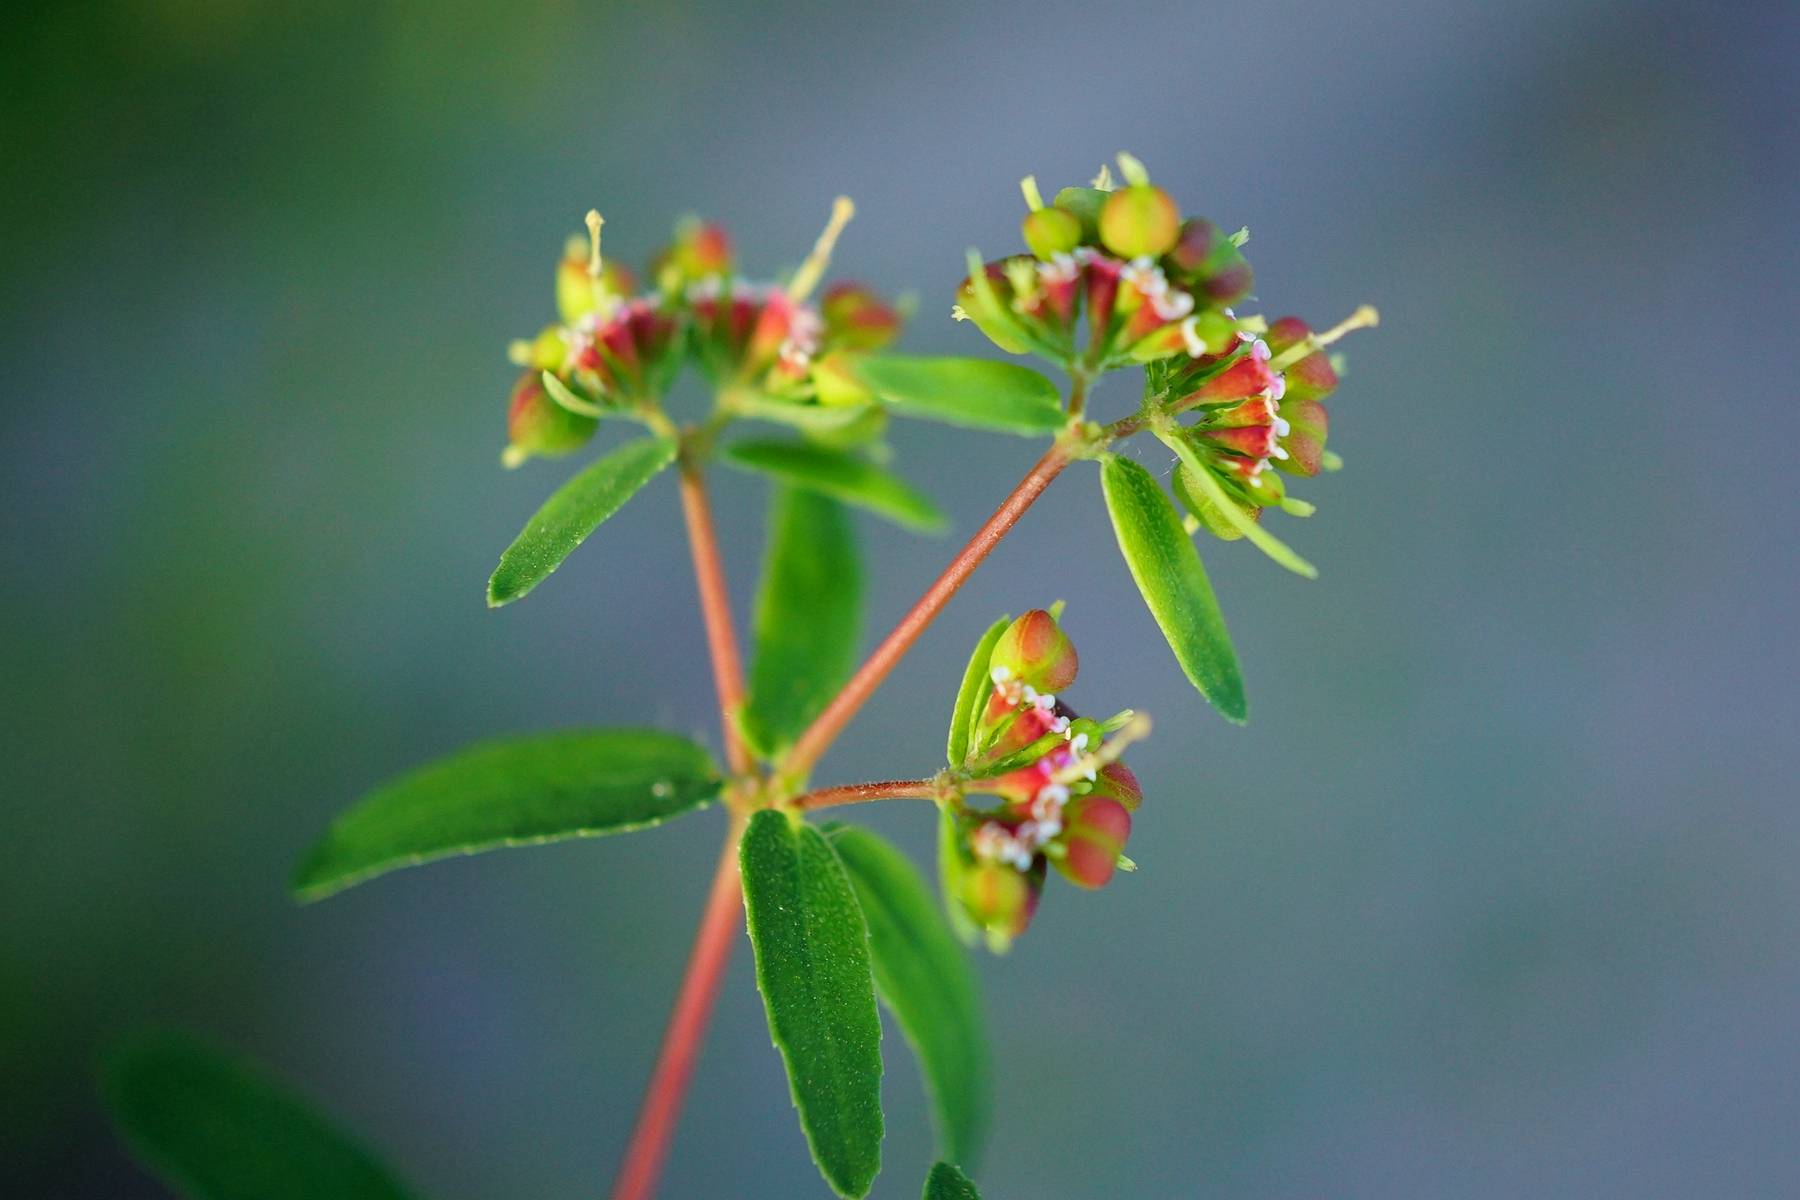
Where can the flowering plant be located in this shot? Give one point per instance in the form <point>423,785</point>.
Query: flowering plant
<point>1115,278</point>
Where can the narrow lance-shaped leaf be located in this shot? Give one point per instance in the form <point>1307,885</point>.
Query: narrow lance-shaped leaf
<point>950,878</point>
<point>840,476</point>
<point>947,1183</point>
<point>1209,487</point>
<point>975,393</point>
<point>513,792</point>
<point>806,616</point>
<point>927,981</point>
<point>1168,573</point>
<point>972,696</point>
<point>215,1128</point>
<point>812,966</point>
<point>573,511</point>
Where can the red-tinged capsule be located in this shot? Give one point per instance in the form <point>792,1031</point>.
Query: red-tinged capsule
<point>1095,830</point>
<point>537,425</point>
<point>857,319</point>
<point>1034,652</point>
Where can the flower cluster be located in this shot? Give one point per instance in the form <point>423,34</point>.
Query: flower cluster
<point>615,350</point>
<point>1063,799</point>
<point>1257,416</point>
<point>1149,283</point>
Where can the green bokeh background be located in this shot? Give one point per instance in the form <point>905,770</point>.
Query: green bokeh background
<point>1495,896</point>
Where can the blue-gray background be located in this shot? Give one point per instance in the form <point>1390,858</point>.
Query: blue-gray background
<point>1495,896</point>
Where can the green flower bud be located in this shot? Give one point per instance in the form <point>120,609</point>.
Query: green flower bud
<point>1051,231</point>
<point>1139,221</point>
<point>577,292</point>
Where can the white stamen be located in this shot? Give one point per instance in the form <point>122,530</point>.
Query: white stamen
<point>1172,305</point>
<point>1190,337</point>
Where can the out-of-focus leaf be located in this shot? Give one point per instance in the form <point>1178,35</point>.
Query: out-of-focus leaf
<point>976,393</point>
<point>947,1183</point>
<point>811,418</point>
<point>1168,573</point>
<point>927,981</point>
<point>806,616</point>
<point>812,966</point>
<point>573,511</point>
<point>513,792</point>
<point>215,1128</point>
<point>840,476</point>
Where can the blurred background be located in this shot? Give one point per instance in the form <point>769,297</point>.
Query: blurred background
<point>1495,896</point>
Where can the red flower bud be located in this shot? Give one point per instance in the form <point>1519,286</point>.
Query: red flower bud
<point>538,425</point>
<point>1116,782</point>
<point>1035,652</point>
<point>1308,425</point>
<point>1310,378</point>
<point>1209,262</point>
<point>700,250</point>
<point>857,319</point>
<point>1095,829</point>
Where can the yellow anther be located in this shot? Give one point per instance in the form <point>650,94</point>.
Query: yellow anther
<point>813,269</point>
<point>1103,181</point>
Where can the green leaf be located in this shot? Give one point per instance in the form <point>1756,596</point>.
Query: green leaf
<point>812,966</point>
<point>806,616</point>
<point>810,418</point>
<point>1233,512</point>
<point>972,696</point>
<point>1168,573</point>
<point>574,511</point>
<point>215,1128</point>
<point>975,393</point>
<point>513,792</point>
<point>925,978</point>
<point>947,1183</point>
<point>841,477</point>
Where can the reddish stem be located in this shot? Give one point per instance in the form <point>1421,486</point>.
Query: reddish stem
<point>687,1029</point>
<point>715,612</point>
<point>857,793</point>
<point>829,723</point>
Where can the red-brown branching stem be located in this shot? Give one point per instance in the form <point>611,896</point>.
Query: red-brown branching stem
<point>719,926</point>
<point>724,914</point>
<point>828,724</point>
<point>857,793</point>
<point>715,613</point>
